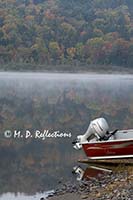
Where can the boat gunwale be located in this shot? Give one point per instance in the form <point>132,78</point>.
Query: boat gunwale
<point>107,141</point>
<point>110,157</point>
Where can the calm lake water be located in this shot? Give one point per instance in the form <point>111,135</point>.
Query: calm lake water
<point>53,102</point>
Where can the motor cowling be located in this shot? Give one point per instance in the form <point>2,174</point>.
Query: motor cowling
<point>99,127</point>
<point>96,130</point>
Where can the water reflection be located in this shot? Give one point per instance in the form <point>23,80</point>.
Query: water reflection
<point>64,102</point>
<point>90,172</point>
<point>21,196</point>
<point>89,169</point>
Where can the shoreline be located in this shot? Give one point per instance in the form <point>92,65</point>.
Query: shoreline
<point>122,73</point>
<point>65,68</point>
<point>115,186</point>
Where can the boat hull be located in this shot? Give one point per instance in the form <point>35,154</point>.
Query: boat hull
<point>109,149</point>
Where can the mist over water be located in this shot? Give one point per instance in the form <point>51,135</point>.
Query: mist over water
<point>44,83</point>
<point>63,76</point>
<point>54,101</point>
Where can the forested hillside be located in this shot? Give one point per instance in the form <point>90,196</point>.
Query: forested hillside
<point>66,32</point>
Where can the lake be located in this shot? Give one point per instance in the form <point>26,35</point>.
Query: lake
<point>53,102</point>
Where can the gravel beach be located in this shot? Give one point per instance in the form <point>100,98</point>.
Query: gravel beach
<point>114,186</point>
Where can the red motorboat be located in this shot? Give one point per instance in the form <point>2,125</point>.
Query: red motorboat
<point>99,143</point>
<point>109,149</point>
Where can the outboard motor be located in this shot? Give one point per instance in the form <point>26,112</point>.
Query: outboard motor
<point>96,130</point>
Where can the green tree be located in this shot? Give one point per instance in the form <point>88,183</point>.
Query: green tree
<point>54,50</point>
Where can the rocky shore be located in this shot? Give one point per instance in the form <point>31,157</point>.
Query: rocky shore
<point>114,186</point>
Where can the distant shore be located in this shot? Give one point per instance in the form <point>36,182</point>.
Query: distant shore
<point>65,68</point>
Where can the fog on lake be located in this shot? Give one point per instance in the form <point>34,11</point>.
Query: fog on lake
<point>56,102</point>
